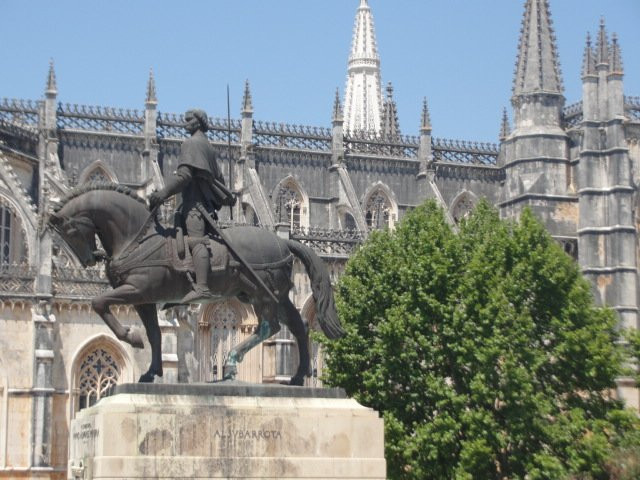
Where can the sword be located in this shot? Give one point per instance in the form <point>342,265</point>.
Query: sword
<point>234,252</point>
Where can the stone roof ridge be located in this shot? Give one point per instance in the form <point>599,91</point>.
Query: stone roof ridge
<point>247,100</point>
<point>537,64</point>
<point>151,89</point>
<point>589,58</point>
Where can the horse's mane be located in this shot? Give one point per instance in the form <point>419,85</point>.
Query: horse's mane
<point>93,186</point>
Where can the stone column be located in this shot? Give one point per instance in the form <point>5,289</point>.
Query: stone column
<point>43,390</point>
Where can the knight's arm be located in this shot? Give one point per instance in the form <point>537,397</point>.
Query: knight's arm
<point>174,185</point>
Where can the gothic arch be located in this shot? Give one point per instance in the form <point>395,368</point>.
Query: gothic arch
<point>462,205</point>
<point>380,207</point>
<point>290,203</point>
<point>347,218</point>
<point>14,233</point>
<point>221,326</point>
<point>96,365</point>
<point>97,171</point>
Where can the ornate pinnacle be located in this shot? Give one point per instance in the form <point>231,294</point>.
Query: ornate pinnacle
<point>364,4</point>
<point>337,107</point>
<point>425,122</point>
<point>537,66</point>
<point>505,128</point>
<point>603,44</point>
<point>247,103</point>
<point>52,88</point>
<point>151,89</point>
<point>390,124</point>
<point>615,57</point>
<point>589,60</point>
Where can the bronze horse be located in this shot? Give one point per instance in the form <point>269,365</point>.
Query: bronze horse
<point>142,272</point>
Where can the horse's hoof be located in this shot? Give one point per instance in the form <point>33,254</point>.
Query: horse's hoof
<point>229,372</point>
<point>134,338</point>
<point>297,381</point>
<point>146,378</point>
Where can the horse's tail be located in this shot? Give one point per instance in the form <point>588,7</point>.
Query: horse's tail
<point>321,289</point>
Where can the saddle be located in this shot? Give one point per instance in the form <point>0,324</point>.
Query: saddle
<point>179,252</point>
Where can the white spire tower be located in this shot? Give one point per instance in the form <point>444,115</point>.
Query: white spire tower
<point>363,95</point>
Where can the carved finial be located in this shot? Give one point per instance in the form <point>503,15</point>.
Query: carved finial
<point>247,103</point>
<point>425,121</point>
<point>389,91</point>
<point>615,58</point>
<point>337,107</point>
<point>537,65</point>
<point>603,44</point>
<point>364,4</point>
<point>589,60</point>
<point>390,123</point>
<point>151,88</point>
<point>505,128</point>
<point>52,88</point>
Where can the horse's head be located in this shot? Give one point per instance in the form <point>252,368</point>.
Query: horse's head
<point>79,233</point>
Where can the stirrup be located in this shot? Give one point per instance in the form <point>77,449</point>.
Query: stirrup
<point>197,294</point>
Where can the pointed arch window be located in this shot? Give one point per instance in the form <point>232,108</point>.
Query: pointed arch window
<point>378,211</point>
<point>289,206</point>
<point>12,245</point>
<point>462,208</point>
<point>100,369</point>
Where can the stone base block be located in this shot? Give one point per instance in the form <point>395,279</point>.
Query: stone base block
<point>227,430</point>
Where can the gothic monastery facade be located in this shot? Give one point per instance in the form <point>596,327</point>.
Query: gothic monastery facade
<point>575,165</point>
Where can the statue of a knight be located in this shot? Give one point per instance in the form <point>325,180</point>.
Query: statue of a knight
<point>200,182</point>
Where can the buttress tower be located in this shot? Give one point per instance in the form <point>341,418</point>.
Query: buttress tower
<point>363,104</point>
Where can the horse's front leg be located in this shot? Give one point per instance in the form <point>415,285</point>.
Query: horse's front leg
<point>118,296</point>
<point>149,316</point>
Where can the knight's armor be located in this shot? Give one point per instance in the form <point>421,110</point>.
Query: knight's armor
<point>199,181</point>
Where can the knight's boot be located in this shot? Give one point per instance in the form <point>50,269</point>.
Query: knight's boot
<point>201,265</point>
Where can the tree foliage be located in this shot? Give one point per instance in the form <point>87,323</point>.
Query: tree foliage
<point>482,349</point>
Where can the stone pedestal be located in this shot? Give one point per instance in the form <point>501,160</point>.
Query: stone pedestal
<point>226,430</point>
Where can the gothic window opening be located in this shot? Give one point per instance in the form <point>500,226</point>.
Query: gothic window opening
<point>463,208</point>
<point>289,206</point>
<point>348,222</point>
<point>286,353</point>
<point>224,335</point>
<point>12,245</point>
<point>378,211</point>
<point>99,370</point>
<point>5,235</point>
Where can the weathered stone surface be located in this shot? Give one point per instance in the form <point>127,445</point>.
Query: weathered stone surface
<point>213,431</point>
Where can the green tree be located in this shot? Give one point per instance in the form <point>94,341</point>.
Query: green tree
<point>482,349</point>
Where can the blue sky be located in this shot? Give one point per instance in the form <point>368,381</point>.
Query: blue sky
<point>460,54</point>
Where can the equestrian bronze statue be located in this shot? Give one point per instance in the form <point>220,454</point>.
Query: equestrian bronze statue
<point>148,263</point>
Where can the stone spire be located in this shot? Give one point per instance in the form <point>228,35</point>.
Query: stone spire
<point>52,88</point>
<point>589,59</point>
<point>390,124</point>
<point>505,128</point>
<point>602,46</point>
<point>151,89</point>
<point>425,119</point>
<point>363,95</point>
<point>537,67</point>
<point>247,102</point>
<point>615,56</point>
<point>337,108</point>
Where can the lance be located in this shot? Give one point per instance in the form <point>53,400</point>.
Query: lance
<point>231,187</point>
